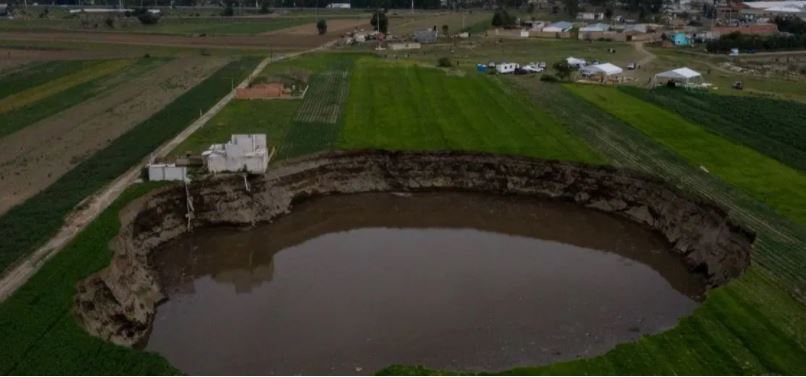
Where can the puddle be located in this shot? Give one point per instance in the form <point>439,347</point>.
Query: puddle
<point>350,284</point>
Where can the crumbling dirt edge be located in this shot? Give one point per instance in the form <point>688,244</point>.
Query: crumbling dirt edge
<point>118,303</point>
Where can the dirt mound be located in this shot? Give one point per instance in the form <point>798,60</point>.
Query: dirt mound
<point>118,303</point>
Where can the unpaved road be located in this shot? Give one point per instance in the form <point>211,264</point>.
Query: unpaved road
<point>36,156</point>
<point>263,42</point>
<point>94,205</point>
<point>334,26</point>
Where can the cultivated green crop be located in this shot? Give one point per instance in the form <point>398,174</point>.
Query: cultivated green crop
<point>28,225</point>
<point>771,182</point>
<point>772,127</point>
<point>403,106</point>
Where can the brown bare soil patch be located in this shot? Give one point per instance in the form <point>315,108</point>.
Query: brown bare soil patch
<point>334,26</point>
<point>268,90</point>
<point>281,41</point>
<point>38,155</point>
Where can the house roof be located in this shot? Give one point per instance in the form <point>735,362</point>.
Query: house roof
<point>605,68</point>
<point>596,27</point>
<point>562,25</point>
<point>573,61</point>
<point>679,73</point>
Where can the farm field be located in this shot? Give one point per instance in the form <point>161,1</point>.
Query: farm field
<point>35,74</point>
<point>62,131</point>
<point>768,180</point>
<point>29,224</point>
<point>745,120</point>
<point>404,106</point>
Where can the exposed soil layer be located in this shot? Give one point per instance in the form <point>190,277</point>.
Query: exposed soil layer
<point>350,284</point>
<point>119,302</point>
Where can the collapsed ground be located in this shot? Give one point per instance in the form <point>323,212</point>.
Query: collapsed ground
<point>754,325</point>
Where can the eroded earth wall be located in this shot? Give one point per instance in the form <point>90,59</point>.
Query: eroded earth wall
<point>118,303</point>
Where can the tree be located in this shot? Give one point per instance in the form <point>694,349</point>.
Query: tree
<point>445,29</point>
<point>145,17</point>
<point>379,21</point>
<point>608,13</point>
<point>501,18</point>
<point>321,26</point>
<point>571,7</point>
<point>563,70</point>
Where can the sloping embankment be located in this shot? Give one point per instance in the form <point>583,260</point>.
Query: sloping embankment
<point>118,303</point>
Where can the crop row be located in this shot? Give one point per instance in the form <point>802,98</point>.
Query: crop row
<point>36,74</point>
<point>28,225</point>
<point>325,98</point>
<point>52,87</point>
<point>770,126</point>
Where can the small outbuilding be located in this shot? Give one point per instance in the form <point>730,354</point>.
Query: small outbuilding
<point>167,172</point>
<point>426,36</point>
<point>683,76</point>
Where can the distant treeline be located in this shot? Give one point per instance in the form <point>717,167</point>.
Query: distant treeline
<point>749,42</point>
<point>791,24</point>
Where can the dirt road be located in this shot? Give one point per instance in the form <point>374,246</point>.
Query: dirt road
<point>96,204</point>
<point>36,156</point>
<point>278,40</point>
<point>334,26</point>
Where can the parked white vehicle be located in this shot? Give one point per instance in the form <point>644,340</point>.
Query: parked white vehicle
<point>533,68</point>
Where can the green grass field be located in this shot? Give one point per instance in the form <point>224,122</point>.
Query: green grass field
<point>35,74</point>
<point>404,106</point>
<point>780,186</point>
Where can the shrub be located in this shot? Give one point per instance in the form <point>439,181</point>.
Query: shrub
<point>445,62</point>
<point>321,26</point>
<point>146,17</point>
<point>549,78</point>
<point>563,70</point>
<point>379,21</point>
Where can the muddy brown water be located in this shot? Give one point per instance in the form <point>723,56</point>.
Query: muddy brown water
<point>353,283</point>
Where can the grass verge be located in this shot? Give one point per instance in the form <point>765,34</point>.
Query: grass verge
<point>28,225</point>
<point>40,334</point>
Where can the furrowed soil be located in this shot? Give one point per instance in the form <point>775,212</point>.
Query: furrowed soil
<point>279,41</point>
<point>38,155</point>
<point>334,26</point>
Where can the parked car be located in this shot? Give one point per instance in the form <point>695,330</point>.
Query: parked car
<point>533,68</point>
<point>631,66</point>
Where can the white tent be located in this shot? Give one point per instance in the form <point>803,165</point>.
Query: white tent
<point>575,63</point>
<point>605,69</point>
<point>683,75</point>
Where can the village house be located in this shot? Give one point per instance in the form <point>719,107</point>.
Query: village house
<point>559,27</point>
<point>243,153</point>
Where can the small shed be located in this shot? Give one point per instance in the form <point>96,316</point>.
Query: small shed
<point>167,172</point>
<point>684,76</point>
<point>559,27</point>
<point>601,72</point>
<point>681,39</point>
<point>506,67</point>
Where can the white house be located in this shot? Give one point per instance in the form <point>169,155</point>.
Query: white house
<point>339,6</point>
<point>243,153</point>
<point>559,27</point>
<point>167,172</point>
<point>590,16</point>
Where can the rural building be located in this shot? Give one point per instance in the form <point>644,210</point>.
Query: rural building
<point>339,6</point>
<point>167,172</point>
<point>757,29</point>
<point>683,76</point>
<point>243,153</point>
<point>559,27</point>
<point>404,46</point>
<point>590,16</point>
<point>774,8</point>
<point>597,27</point>
<point>535,25</point>
<point>426,36</point>
<point>681,39</point>
<point>601,72</point>
<point>575,62</point>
